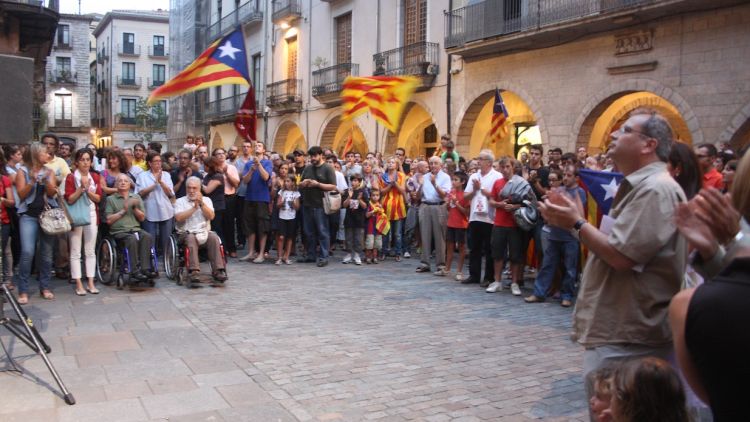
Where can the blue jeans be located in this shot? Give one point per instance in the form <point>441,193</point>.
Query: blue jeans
<point>30,230</point>
<point>397,234</point>
<point>315,225</point>
<point>159,231</point>
<point>554,252</point>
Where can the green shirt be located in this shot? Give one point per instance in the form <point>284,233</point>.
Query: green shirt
<point>128,222</point>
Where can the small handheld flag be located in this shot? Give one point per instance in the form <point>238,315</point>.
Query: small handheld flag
<point>247,117</point>
<point>384,96</point>
<point>601,187</point>
<point>223,62</point>
<point>499,116</point>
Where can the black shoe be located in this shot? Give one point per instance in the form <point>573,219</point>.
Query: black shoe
<point>220,276</point>
<point>305,260</point>
<point>469,280</point>
<point>151,274</point>
<point>423,269</point>
<point>322,263</point>
<point>138,276</point>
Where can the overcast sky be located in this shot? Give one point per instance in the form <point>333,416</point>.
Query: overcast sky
<point>104,6</point>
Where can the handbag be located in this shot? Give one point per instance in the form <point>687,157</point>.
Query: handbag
<point>54,221</point>
<point>331,202</point>
<point>80,211</point>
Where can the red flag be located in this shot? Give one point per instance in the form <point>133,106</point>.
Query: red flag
<point>348,146</point>
<point>247,117</point>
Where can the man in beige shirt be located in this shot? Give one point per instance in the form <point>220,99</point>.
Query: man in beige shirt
<point>637,258</point>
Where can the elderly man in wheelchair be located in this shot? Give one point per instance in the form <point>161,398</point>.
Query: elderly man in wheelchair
<point>193,215</point>
<point>125,212</point>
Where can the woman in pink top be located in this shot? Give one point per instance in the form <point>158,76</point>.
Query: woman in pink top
<point>231,182</point>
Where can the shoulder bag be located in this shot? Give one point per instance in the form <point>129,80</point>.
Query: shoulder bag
<point>54,221</point>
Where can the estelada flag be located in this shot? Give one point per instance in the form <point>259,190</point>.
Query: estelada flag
<point>499,116</point>
<point>601,188</point>
<point>383,96</point>
<point>247,117</point>
<point>223,62</point>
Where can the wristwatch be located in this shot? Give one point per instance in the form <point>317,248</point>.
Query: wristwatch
<point>577,227</point>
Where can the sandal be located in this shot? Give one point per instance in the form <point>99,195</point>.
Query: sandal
<point>80,292</point>
<point>48,295</point>
<point>93,291</point>
<point>23,299</point>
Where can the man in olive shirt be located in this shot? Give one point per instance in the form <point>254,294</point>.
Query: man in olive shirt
<point>637,258</point>
<point>317,178</point>
<point>125,212</point>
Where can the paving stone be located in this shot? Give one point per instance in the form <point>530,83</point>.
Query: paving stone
<point>128,390</point>
<point>216,379</point>
<point>98,343</point>
<point>110,411</point>
<point>146,370</point>
<point>183,403</point>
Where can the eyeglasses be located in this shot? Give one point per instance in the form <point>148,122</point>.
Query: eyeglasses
<point>219,153</point>
<point>627,129</point>
<point>553,180</point>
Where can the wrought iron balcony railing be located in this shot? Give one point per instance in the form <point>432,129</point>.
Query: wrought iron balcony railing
<point>493,18</point>
<point>63,76</point>
<point>327,82</point>
<point>133,50</point>
<point>247,13</point>
<point>418,59</point>
<point>101,57</point>
<point>128,82</point>
<point>153,84</point>
<point>127,120</point>
<point>286,10</point>
<point>226,108</point>
<point>157,51</point>
<point>284,93</point>
<point>65,45</point>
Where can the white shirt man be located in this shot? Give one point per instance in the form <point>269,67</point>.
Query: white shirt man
<point>433,215</point>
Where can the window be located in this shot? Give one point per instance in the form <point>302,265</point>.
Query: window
<point>127,111</point>
<point>63,64</point>
<point>128,43</point>
<point>63,109</point>
<point>159,74</point>
<point>63,35</point>
<point>63,72</point>
<point>415,21</point>
<point>255,77</point>
<point>128,73</point>
<point>158,45</point>
<point>344,39</point>
<point>291,58</point>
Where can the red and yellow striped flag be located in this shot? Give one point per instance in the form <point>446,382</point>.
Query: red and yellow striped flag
<point>223,62</point>
<point>384,96</point>
<point>348,145</point>
<point>498,129</point>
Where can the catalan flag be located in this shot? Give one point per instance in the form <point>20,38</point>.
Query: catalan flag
<point>349,145</point>
<point>499,116</point>
<point>383,96</point>
<point>224,62</point>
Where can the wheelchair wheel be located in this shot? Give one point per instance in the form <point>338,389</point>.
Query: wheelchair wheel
<point>106,262</point>
<point>171,258</point>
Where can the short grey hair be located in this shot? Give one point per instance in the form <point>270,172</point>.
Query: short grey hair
<point>193,179</point>
<point>487,155</point>
<point>657,127</point>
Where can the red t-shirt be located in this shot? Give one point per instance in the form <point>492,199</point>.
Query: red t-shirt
<point>456,218</point>
<point>502,218</point>
<point>713,179</point>
<point>4,186</point>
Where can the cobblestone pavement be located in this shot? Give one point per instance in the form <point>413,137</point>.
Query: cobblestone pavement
<point>341,343</point>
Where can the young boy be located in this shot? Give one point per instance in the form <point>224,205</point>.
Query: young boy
<point>373,236</point>
<point>355,203</point>
<point>458,222</point>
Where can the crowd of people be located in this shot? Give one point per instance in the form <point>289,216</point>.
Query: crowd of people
<point>506,215</point>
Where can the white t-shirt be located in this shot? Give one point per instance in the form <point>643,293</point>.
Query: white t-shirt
<point>197,221</point>
<point>286,210</point>
<point>480,209</point>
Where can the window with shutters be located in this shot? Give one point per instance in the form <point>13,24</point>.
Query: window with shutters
<point>128,43</point>
<point>344,39</point>
<point>415,21</point>
<point>255,77</point>
<point>63,110</point>
<point>63,35</point>
<point>291,58</point>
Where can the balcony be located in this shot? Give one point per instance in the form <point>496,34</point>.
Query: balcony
<point>286,11</point>
<point>225,109</point>
<point>246,14</point>
<point>327,82</point>
<point>153,84</point>
<point>492,27</point>
<point>63,77</point>
<point>285,95</point>
<point>158,52</point>
<point>101,57</point>
<point>419,59</point>
<point>127,120</point>
<point>128,83</point>
<point>65,45</point>
<point>129,50</point>
<point>63,123</point>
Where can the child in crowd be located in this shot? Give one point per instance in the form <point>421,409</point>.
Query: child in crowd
<point>373,236</point>
<point>647,390</point>
<point>190,144</point>
<point>458,222</point>
<point>288,203</point>
<point>355,203</point>
<point>599,403</point>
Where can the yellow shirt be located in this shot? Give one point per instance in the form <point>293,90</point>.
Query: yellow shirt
<point>141,163</point>
<point>61,169</point>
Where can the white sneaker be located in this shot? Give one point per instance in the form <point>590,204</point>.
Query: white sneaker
<point>279,261</point>
<point>407,255</point>
<point>494,287</point>
<point>259,259</point>
<point>357,260</point>
<point>459,277</point>
<point>247,257</point>
<point>347,259</point>
<point>515,289</point>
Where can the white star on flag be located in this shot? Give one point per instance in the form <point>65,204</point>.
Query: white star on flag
<point>610,189</point>
<point>228,50</point>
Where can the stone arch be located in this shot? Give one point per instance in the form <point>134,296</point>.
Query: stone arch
<point>336,133</point>
<point>606,95</point>
<point>288,137</point>
<point>411,131</point>
<point>392,141</point>
<point>473,133</point>
<point>737,132</point>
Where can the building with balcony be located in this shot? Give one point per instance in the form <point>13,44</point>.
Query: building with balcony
<point>569,71</point>
<point>28,32</point>
<point>132,59</point>
<point>67,109</point>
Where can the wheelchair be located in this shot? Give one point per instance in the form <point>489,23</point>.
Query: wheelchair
<point>176,261</point>
<point>113,264</point>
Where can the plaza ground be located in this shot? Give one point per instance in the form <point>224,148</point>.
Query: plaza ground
<point>299,343</point>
